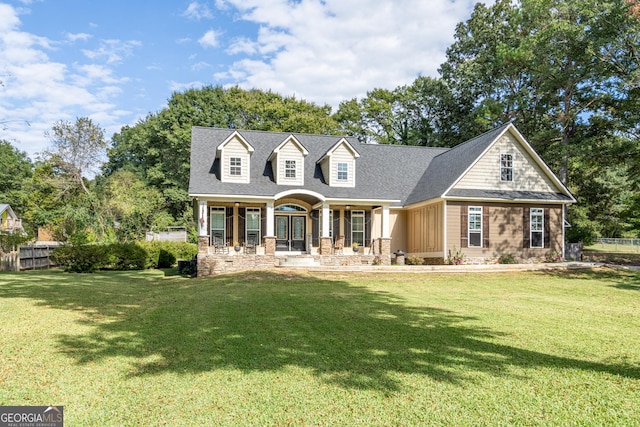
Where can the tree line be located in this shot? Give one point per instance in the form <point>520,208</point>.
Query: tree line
<point>567,73</point>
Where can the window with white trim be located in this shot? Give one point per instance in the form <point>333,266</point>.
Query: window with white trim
<point>357,227</point>
<point>252,225</point>
<point>235,166</point>
<point>218,237</point>
<point>343,171</point>
<point>506,167</point>
<point>536,227</point>
<point>290,168</point>
<point>475,226</point>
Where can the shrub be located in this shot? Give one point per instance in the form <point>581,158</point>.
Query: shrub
<point>81,258</point>
<point>127,256</point>
<point>179,250</point>
<point>377,260</point>
<point>455,256</point>
<point>166,259</point>
<point>507,259</point>
<point>414,260</point>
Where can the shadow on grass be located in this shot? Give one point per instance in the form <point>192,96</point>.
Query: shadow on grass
<point>616,277</point>
<point>346,335</point>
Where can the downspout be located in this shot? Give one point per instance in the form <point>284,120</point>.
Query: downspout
<point>444,231</point>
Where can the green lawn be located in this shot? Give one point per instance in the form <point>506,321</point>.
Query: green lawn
<point>139,348</point>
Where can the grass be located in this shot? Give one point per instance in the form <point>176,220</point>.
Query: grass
<point>613,254</point>
<point>142,348</point>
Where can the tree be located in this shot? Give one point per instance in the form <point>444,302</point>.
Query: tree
<point>78,147</point>
<point>15,172</point>
<point>157,148</point>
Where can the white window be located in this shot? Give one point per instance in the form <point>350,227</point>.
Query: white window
<point>506,167</point>
<point>536,227</point>
<point>235,166</point>
<point>357,227</point>
<point>218,237</point>
<point>290,168</point>
<point>343,171</point>
<point>475,226</point>
<point>253,226</point>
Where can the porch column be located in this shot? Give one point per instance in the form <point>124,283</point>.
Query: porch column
<point>325,239</point>
<point>270,235</point>
<point>385,222</point>
<point>202,218</point>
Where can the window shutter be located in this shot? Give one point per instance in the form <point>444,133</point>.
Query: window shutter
<point>485,227</point>
<point>263,222</point>
<point>241,225</point>
<point>336,224</point>
<point>367,228</point>
<point>464,226</point>
<point>229,225</point>
<point>526,236</point>
<point>315,228</point>
<point>547,229</point>
<point>347,229</point>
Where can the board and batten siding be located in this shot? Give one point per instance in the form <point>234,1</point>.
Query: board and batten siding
<point>235,148</point>
<point>527,175</point>
<point>425,229</point>
<point>397,228</point>
<point>289,151</point>
<point>506,230</point>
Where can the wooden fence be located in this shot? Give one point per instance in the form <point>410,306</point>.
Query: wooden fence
<point>28,257</point>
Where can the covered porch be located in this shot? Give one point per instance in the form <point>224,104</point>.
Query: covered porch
<point>262,231</point>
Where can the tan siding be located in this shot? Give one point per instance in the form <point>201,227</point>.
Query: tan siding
<point>324,166</point>
<point>235,148</point>
<point>527,175</point>
<point>424,229</point>
<point>505,231</point>
<point>289,151</point>
<point>342,155</point>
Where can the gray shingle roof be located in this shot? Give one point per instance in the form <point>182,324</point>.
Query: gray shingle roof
<point>406,174</point>
<point>382,171</point>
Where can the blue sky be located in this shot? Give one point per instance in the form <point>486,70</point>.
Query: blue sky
<point>117,61</point>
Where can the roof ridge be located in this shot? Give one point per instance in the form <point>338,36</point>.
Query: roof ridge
<point>482,135</point>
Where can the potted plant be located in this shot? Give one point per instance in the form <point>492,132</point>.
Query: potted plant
<point>236,246</point>
<point>356,247</point>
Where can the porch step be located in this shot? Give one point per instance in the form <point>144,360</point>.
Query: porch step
<point>299,261</point>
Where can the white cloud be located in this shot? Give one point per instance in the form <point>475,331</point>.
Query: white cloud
<point>210,39</point>
<point>112,51</point>
<point>39,90</point>
<point>328,51</point>
<point>198,11</point>
<point>78,36</point>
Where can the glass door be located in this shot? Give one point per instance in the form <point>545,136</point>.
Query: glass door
<point>282,233</point>
<point>298,230</point>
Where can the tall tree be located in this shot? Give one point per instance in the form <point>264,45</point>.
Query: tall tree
<point>15,172</point>
<point>79,147</point>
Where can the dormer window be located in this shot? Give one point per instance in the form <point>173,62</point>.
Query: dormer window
<point>290,168</point>
<point>506,167</point>
<point>343,171</point>
<point>235,166</point>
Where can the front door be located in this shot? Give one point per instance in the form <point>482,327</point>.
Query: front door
<point>290,232</point>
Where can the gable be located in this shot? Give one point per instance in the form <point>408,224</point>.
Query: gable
<point>528,175</point>
<point>288,162</point>
<point>234,154</point>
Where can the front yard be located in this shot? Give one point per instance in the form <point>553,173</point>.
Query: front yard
<point>140,348</point>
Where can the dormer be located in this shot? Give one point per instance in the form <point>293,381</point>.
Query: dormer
<point>235,159</point>
<point>287,162</point>
<point>339,165</point>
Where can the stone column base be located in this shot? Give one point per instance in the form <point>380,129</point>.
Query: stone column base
<point>270,245</point>
<point>203,245</point>
<point>385,246</point>
<point>325,246</point>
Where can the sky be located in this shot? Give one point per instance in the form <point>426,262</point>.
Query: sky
<point>118,61</point>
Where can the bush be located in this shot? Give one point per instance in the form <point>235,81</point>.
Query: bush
<point>166,259</point>
<point>507,259</point>
<point>179,250</point>
<point>81,258</point>
<point>414,260</point>
<point>127,256</point>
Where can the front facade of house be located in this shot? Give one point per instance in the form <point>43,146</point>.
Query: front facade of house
<point>270,195</point>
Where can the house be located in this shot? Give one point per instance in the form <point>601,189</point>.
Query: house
<point>9,222</point>
<point>271,194</point>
